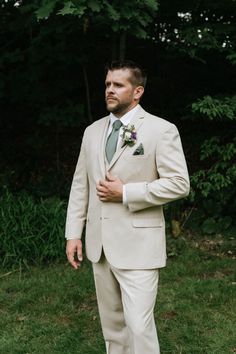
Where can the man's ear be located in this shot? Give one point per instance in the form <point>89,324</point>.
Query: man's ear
<point>138,92</point>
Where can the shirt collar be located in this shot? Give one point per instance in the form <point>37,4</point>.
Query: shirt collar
<point>126,118</point>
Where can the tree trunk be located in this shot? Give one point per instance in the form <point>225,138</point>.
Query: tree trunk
<point>114,47</point>
<point>122,46</point>
<point>87,91</point>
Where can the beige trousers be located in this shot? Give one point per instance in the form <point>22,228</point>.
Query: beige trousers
<point>126,300</point>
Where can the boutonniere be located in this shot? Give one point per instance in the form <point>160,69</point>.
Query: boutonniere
<point>129,135</point>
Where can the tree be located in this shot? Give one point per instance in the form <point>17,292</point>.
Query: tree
<point>108,17</point>
<point>52,59</point>
<point>102,16</point>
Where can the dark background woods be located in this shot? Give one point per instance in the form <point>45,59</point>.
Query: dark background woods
<point>52,86</point>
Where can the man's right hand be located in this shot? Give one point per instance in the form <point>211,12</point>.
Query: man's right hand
<point>74,252</point>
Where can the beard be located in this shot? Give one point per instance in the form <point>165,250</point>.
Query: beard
<point>117,107</point>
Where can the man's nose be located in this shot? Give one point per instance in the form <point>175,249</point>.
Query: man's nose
<point>110,89</point>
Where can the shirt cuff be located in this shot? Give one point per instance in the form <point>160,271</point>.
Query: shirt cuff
<point>125,201</point>
<point>72,238</point>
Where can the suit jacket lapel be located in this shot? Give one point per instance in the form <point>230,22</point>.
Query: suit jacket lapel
<point>103,143</point>
<point>137,121</point>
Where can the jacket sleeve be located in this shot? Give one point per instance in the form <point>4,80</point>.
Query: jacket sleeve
<point>78,200</point>
<point>173,181</point>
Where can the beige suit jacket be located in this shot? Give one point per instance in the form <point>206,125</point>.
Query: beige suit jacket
<point>132,236</point>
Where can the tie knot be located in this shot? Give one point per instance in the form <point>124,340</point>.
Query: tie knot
<point>117,124</point>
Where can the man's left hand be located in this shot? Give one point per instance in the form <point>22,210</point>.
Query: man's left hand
<point>110,190</point>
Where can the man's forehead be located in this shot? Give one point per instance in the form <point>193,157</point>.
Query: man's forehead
<point>118,74</point>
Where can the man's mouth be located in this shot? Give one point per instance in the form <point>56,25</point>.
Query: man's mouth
<point>111,99</point>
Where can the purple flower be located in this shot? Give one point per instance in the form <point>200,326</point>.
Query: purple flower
<point>133,135</point>
<point>129,135</point>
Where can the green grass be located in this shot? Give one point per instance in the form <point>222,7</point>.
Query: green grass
<point>53,309</point>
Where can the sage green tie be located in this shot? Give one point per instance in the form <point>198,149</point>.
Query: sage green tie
<point>112,140</point>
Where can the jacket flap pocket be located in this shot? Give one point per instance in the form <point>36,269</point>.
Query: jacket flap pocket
<point>154,222</point>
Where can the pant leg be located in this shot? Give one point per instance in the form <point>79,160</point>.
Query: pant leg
<point>110,307</point>
<point>139,290</point>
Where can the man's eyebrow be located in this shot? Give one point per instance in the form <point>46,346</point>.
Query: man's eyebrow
<point>114,82</point>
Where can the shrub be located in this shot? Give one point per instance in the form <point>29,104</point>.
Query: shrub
<point>213,186</point>
<point>31,230</point>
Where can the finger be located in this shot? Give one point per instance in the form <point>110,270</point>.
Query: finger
<point>110,178</point>
<point>103,184</point>
<point>99,185</point>
<point>72,260</point>
<point>101,188</point>
<point>104,199</point>
<point>101,194</point>
<point>80,255</point>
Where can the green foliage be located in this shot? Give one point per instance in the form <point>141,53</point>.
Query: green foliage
<point>214,108</point>
<point>214,225</point>
<point>131,16</point>
<point>46,9</point>
<point>213,184</point>
<point>221,173</point>
<point>32,231</point>
<point>232,58</point>
<point>195,28</point>
<point>213,187</point>
<point>220,156</point>
<point>70,9</point>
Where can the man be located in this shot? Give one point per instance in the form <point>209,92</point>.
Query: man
<point>131,163</point>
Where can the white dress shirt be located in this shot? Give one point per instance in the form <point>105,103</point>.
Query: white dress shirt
<point>125,120</point>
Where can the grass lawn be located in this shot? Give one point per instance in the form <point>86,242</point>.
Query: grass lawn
<point>53,309</point>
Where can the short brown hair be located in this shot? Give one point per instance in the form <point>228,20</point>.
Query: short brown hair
<point>139,76</point>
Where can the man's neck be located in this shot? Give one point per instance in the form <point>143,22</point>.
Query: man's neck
<point>127,117</point>
<point>120,115</point>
